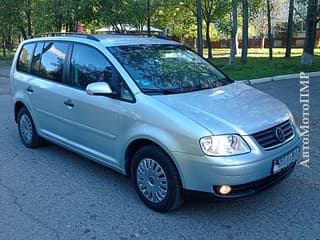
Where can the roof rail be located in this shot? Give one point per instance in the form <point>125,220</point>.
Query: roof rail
<point>139,34</point>
<point>73,34</point>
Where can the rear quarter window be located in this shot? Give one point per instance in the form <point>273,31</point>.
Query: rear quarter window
<point>35,64</point>
<point>25,57</point>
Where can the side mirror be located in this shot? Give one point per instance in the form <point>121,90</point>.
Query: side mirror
<point>99,89</point>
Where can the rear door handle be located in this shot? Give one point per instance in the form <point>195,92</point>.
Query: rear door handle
<point>29,90</point>
<point>69,103</point>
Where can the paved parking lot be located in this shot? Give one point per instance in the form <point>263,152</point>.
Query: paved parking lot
<point>4,83</point>
<point>51,193</point>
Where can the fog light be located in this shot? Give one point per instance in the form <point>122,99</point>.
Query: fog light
<point>225,189</point>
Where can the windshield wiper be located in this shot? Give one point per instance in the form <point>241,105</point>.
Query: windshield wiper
<point>198,89</point>
<point>162,91</point>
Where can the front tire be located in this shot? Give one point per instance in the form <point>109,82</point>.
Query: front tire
<point>27,130</point>
<point>156,179</point>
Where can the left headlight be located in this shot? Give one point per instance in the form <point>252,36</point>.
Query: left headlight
<point>224,145</point>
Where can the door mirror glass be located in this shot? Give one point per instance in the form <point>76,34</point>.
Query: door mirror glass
<point>99,89</point>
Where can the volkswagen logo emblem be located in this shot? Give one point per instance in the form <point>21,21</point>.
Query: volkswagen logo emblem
<point>280,134</point>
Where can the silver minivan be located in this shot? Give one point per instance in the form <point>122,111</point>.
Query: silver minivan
<point>153,110</point>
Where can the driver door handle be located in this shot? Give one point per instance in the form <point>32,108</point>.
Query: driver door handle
<point>69,103</point>
<point>29,90</point>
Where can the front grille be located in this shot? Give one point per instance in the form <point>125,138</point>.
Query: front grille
<point>268,138</point>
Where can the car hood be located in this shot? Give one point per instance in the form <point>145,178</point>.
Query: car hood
<point>234,108</point>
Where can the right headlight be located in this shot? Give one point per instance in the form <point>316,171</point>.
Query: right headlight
<point>224,145</point>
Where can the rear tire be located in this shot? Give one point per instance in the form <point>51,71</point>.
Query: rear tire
<point>156,179</point>
<point>27,130</point>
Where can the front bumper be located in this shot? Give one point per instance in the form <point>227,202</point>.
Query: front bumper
<point>257,186</point>
<point>246,174</point>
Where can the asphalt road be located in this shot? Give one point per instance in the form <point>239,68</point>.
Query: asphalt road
<point>51,193</point>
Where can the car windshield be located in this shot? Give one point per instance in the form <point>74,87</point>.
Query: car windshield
<point>167,69</point>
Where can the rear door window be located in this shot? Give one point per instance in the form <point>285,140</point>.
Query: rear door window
<point>25,57</point>
<point>53,58</point>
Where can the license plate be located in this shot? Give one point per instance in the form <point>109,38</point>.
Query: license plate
<point>285,161</point>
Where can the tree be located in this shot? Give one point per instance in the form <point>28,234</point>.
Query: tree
<point>178,20</point>
<point>15,16</point>
<point>269,29</point>
<point>213,11</point>
<point>260,24</point>
<point>58,15</point>
<point>199,28</point>
<point>9,23</point>
<point>195,8</point>
<point>290,29</point>
<point>233,41</point>
<point>245,27</point>
<point>207,13</point>
<point>249,10</point>
<point>27,9</point>
<point>311,24</point>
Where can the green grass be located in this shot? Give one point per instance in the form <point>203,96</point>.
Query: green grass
<point>257,52</point>
<point>259,65</point>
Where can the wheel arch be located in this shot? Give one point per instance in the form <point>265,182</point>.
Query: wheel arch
<point>136,144</point>
<point>17,106</point>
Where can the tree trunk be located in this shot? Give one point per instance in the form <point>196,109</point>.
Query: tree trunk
<point>263,41</point>
<point>237,43</point>
<point>9,43</point>
<point>199,29</point>
<point>290,29</point>
<point>245,26</point>
<point>28,14</point>
<point>149,18</point>
<point>233,40</point>
<point>309,41</point>
<point>67,26</point>
<point>3,46</point>
<point>58,16</point>
<point>208,40</point>
<point>23,32</point>
<point>269,30</point>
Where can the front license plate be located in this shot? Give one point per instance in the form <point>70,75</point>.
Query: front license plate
<point>285,161</point>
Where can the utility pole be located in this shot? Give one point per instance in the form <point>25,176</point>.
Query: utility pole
<point>199,29</point>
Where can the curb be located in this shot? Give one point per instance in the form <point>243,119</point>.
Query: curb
<point>4,70</point>
<point>278,78</point>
